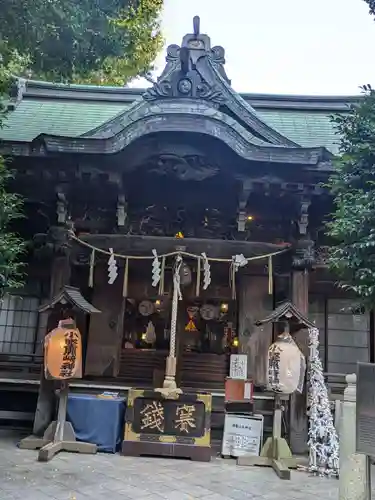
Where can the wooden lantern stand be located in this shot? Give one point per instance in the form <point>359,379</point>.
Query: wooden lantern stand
<point>276,452</point>
<point>60,435</point>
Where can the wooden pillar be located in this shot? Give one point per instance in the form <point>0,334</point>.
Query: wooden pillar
<point>255,303</point>
<point>60,276</point>
<point>298,417</point>
<point>106,329</point>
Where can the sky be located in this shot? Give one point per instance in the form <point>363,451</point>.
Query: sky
<point>317,47</point>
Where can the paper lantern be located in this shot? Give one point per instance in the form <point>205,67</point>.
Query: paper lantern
<point>286,366</point>
<point>63,352</point>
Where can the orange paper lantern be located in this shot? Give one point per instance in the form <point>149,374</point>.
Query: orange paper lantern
<point>63,352</point>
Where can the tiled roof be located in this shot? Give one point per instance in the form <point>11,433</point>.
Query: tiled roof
<point>68,118</point>
<point>307,128</point>
<point>288,311</point>
<point>74,297</point>
<point>73,110</point>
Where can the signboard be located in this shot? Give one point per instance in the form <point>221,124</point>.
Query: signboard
<point>238,389</point>
<point>365,409</point>
<point>243,435</point>
<point>178,427</point>
<point>238,366</point>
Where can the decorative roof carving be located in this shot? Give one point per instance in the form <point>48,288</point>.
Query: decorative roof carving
<point>188,73</point>
<point>195,70</point>
<point>70,295</point>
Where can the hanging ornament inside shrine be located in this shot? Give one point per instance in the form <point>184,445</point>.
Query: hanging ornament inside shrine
<point>286,365</point>
<point>150,336</point>
<point>63,352</point>
<point>192,313</point>
<point>112,268</point>
<point>185,275</point>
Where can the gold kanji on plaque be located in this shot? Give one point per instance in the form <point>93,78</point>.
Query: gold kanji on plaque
<point>153,416</point>
<point>185,418</point>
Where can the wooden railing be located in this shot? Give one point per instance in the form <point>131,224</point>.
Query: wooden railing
<point>26,364</point>
<point>203,371</point>
<point>137,366</point>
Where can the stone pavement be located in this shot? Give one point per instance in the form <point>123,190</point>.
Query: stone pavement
<point>113,477</point>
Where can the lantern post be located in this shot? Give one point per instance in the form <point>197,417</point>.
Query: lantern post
<point>62,362</point>
<point>276,452</point>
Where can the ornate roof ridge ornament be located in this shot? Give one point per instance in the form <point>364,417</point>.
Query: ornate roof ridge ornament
<point>188,72</point>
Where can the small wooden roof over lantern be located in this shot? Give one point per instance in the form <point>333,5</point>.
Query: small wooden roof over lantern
<point>70,296</point>
<point>289,314</point>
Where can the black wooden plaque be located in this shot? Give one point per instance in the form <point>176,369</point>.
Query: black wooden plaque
<point>365,409</point>
<point>173,418</point>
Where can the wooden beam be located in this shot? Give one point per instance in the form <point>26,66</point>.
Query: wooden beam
<point>143,245</point>
<point>106,329</point>
<point>254,304</point>
<point>298,418</point>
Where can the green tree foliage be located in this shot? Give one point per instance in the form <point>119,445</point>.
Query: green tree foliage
<point>12,247</point>
<point>101,41</point>
<point>352,226</point>
<point>371,4</point>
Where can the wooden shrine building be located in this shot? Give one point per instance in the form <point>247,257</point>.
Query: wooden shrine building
<point>188,164</point>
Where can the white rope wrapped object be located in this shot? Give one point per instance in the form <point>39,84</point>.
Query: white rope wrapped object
<point>323,440</point>
<point>176,297</point>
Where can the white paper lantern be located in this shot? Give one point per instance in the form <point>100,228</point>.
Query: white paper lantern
<point>286,366</point>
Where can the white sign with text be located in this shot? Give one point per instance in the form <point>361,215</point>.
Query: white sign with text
<point>238,366</point>
<point>243,435</point>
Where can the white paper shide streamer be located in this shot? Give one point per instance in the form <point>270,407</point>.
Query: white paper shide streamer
<point>206,272</point>
<point>112,268</point>
<point>323,440</point>
<point>156,269</point>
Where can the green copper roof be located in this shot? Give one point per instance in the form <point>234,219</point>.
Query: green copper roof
<point>68,118</point>
<point>307,128</point>
<point>73,110</point>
